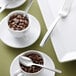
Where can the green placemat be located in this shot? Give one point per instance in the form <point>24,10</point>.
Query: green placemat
<point>7,54</point>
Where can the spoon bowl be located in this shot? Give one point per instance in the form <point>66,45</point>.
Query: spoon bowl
<point>25,61</point>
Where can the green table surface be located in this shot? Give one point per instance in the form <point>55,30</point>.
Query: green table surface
<point>7,54</point>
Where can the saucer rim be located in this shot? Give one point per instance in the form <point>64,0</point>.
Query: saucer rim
<point>17,5</point>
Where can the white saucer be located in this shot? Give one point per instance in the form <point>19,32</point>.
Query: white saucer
<point>31,36</point>
<point>15,4</point>
<point>48,62</point>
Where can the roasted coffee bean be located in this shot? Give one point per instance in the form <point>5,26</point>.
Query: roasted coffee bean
<point>36,58</point>
<point>19,16</point>
<point>22,21</point>
<point>19,21</point>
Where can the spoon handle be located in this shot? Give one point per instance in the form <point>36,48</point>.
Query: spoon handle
<point>54,70</point>
<point>28,7</point>
<point>2,9</point>
<point>49,31</point>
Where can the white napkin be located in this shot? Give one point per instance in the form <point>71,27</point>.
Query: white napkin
<point>64,35</point>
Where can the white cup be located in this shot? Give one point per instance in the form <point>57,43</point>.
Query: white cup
<point>23,73</point>
<point>18,33</point>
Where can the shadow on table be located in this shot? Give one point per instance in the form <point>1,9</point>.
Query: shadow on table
<point>68,69</point>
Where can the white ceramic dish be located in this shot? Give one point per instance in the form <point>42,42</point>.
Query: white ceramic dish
<point>48,62</point>
<point>31,36</point>
<point>63,36</point>
<point>15,4</point>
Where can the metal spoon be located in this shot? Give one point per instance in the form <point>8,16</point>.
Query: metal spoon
<point>28,62</point>
<point>4,6</point>
<point>28,7</point>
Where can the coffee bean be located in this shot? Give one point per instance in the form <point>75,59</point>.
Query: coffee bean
<point>26,22</point>
<point>19,16</point>
<point>21,20</point>
<point>19,28</point>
